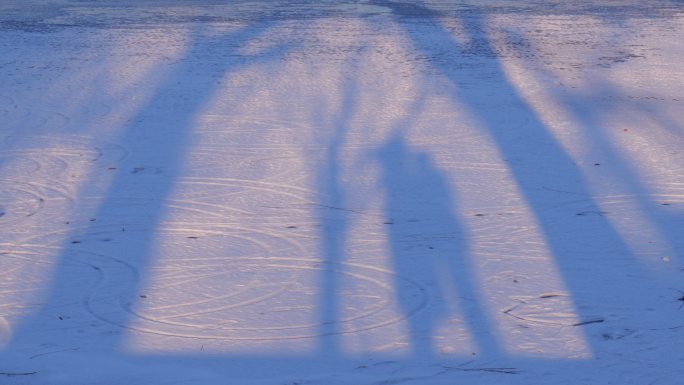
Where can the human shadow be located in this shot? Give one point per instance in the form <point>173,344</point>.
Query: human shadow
<point>586,249</point>
<point>426,237</point>
<point>428,244</point>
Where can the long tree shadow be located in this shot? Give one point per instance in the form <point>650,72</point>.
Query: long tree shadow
<point>427,244</point>
<point>611,101</point>
<point>335,222</point>
<point>426,238</point>
<point>584,248</point>
<point>131,211</point>
<point>593,123</point>
<point>651,206</point>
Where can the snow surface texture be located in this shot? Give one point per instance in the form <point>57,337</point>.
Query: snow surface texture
<point>373,192</point>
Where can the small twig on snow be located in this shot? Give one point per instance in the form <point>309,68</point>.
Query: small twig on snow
<point>12,374</point>
<point>491,370</point>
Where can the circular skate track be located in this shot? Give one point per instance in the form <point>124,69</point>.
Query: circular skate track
<point>228,283</point>
<point>69,148</point>
<point>21,201</point>
<point>259,298</point>
<point>35,275</point>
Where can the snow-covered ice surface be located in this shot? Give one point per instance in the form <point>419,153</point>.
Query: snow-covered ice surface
<point>372,192</point>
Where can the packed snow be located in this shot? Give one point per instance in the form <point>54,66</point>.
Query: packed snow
<point>325,192</point>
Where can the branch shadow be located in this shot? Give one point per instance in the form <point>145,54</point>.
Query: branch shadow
<point>335,221</point>
<point>578,244</point>
<point>653,207</point>
<point>426,238</point>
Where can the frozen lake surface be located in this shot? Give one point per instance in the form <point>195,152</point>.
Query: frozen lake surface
<point>372,192</point>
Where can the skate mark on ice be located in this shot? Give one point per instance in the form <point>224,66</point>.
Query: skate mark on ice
<point>230,200</point>
<point>50,120</point>
<point>69,146</point>
<point>21,200</point>
<point>239,298</point>
<point>237,162</point>
<point>18,163</point>
<point>274,187</point>
<point>227,124</point>
<point>29,267</point>
<point>233,238</point>
<point>552,308</point>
